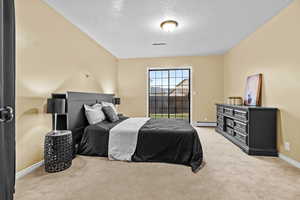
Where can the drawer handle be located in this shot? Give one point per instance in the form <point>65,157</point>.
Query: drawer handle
<point>239,111</point>
<point>239,133</point>
<point>238,122</point>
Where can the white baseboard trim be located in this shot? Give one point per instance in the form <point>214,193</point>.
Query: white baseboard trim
<point>290,160</point>
<point>29,169</point>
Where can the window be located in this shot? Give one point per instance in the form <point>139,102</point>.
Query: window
<point>169,93</point>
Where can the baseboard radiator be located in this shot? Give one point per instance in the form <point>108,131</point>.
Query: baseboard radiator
<point>205,124</point>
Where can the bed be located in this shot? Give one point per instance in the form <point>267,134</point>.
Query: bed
<point>158,140</point>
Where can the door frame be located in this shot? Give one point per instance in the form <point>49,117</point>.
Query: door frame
<point>189,67</point>
<point>8,69</point>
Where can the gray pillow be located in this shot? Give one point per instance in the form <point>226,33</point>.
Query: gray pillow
<point>110,114</point>
<point>94,113</point>
<point>103,103</point>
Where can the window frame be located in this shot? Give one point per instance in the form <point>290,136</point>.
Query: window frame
<point>171,68</point>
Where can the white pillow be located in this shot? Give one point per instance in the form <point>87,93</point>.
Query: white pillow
<point>94,113</point>
<point>111,105</point>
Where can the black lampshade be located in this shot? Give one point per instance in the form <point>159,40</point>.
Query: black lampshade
<point>57,106</point>
<point>117,101</point>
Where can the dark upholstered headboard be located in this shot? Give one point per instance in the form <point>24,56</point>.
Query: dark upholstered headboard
<point>75,101</point>
<point>75,119</point>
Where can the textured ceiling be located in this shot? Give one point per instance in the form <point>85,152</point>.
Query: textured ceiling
<point>128,28</point>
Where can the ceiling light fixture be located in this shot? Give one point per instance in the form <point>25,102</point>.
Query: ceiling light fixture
<point>169,25</point>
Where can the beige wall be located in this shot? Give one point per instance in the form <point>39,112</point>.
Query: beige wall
<point>273,50</point>
<point>207,83</point>
<point>52,56</point>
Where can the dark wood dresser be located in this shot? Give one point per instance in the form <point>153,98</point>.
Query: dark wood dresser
<point>251,128</point>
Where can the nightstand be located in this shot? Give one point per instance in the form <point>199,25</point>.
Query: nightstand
<point>58,151</point>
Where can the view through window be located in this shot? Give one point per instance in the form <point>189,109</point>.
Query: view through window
<point>169,93</point>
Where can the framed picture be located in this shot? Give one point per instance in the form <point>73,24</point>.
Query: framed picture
<point>253,90</point>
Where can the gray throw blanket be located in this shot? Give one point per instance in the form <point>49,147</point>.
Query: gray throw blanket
<point>123,139</point>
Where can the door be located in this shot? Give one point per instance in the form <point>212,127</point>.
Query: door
<point>7,99</point>
<point>169,93</point>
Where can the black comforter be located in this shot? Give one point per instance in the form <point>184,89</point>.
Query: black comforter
<point>159,140</point>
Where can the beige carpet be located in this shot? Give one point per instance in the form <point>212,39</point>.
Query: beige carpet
<point>228,174</point>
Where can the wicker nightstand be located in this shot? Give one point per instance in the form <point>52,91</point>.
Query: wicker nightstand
<point>58,151</point>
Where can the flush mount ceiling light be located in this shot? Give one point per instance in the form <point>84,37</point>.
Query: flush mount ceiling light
<point>169,26</point>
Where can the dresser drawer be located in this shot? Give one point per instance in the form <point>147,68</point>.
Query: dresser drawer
<point>241,127</point>
<point>241,137</point>
<point>228,111</point>
<point>220,118</point>
<point>220,125</point>
<point>230,122</point>
<point>241,114</point>
<point>230,131</point>
<point>220,109</point>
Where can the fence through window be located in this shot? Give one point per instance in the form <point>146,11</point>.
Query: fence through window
<point>169,93</point>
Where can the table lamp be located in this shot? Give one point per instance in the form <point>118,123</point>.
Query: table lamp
<point>56,106</point>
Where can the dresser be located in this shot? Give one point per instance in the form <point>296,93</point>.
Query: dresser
<point>251,128</point>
